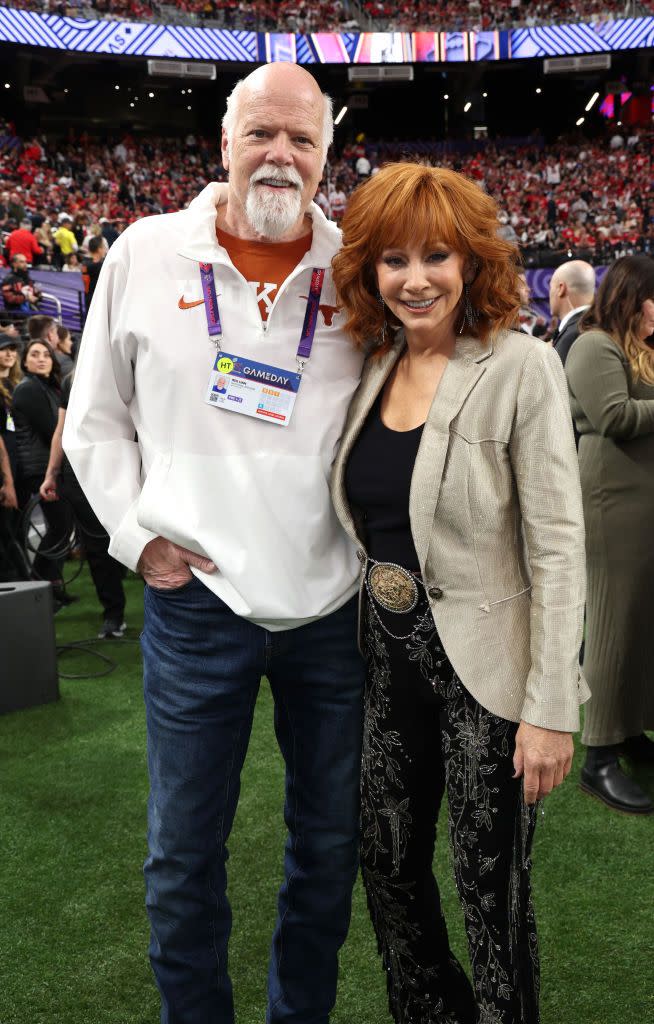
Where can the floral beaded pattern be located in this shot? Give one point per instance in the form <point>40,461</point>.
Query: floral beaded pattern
<point>476,747</point>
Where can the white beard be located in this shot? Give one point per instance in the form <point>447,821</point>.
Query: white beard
<point>272,214</point>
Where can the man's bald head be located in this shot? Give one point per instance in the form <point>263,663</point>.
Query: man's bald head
<point>287,79</point>
<point>572,285</point>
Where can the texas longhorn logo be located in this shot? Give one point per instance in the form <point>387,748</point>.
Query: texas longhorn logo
<point>328,312</point>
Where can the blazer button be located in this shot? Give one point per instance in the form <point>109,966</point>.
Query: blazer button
<point>435,592</point>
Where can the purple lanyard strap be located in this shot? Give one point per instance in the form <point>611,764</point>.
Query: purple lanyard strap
<point>210,300</point>
<point>214,325</point>
<point>311,316</point>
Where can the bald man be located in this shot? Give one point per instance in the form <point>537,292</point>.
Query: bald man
<point>215,338</point>
<point>572,288</point>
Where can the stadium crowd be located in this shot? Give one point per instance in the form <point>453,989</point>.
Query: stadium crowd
<point>344,15</point>
<point>484,15</point>
<point>596,197</point>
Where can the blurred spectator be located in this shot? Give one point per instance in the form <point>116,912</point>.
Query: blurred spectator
<point>527,317</point>
<point>98,249</point>
<point>8,497</point>
<point>10,376</point>
<point>106,573</point>
<point>65,344</point>
<point>22,242</point>
<point>20,294</point>
<point>72,262</point>
<point>35,409</point>
<point>572,288</point>
<point>610,370</point>
<point>64,238</point>
<point>109,232</point>
<point>43,235</point>
<point>46,329</point>
<point>15,209</point>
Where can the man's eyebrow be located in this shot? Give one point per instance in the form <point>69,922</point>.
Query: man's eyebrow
<point>254,124</point>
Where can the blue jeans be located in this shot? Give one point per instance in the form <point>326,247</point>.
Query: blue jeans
<point>202,668</point>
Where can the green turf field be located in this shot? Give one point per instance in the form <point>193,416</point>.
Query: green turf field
<point>73,932</point>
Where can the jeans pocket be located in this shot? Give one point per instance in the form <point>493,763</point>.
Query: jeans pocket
<point>171,591</point>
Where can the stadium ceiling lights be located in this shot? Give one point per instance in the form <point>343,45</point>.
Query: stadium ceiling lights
<point>446,96</point>
<point>592,101</point>
<point>7,85</point>
<point>580,121</point>
<point>539,91</point>
<point>339,117</point>
<point>467,107</point>
<point>485,95</point>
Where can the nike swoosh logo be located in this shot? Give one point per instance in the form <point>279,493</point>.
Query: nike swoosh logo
<point>183,304</point>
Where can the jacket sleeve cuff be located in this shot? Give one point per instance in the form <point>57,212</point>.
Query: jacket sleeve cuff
<point>558,713</point>
<point>127,543</point>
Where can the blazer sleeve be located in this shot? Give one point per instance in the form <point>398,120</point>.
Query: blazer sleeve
<point>99,437</point>
<point>599,380</point>
<point>544,463</point>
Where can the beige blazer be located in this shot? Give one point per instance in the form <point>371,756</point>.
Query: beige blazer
<point>497,522</point>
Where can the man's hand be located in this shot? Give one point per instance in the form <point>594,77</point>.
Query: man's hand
<point>543,757</point>
<point>8,497</point>
<point>48,489</point>
<point>165,565</point>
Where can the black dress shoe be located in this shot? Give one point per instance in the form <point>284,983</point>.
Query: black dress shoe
<point>609,784</point>
<point>639,749</point>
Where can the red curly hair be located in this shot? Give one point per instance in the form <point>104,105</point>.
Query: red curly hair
<point>405,202</point>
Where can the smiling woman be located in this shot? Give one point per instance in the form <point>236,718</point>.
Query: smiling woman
<point>447,218</point>
<point>458,445</point>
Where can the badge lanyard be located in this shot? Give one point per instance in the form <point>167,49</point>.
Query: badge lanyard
<point>214,325</point>
<point>244,386</point>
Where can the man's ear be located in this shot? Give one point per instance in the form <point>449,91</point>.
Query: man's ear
<point>224,149</point>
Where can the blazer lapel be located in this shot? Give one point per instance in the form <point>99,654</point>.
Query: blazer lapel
<point>375,375</point>
<point>460,376</point>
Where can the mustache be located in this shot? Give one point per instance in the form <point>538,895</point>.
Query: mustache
<point>289,175</point>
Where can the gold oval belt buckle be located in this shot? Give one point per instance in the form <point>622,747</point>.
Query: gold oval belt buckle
<point>393,587</point>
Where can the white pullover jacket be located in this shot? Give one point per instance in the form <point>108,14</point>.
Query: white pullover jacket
<point>251,496</point>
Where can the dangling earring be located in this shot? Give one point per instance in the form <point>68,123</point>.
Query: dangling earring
<point>383,337</point>
<point>470,314</point>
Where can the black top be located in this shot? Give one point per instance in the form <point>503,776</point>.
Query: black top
<point>35,409</point>
<point>377,482</point>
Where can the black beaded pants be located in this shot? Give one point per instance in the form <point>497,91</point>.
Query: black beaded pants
<point>425,734</point>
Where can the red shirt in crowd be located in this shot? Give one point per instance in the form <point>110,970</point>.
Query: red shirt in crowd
<point>22,242</point>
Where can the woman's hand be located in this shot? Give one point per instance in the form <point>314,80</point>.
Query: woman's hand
<point>8,497</point>
<point>543,757</point>
<point>48,489</point>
